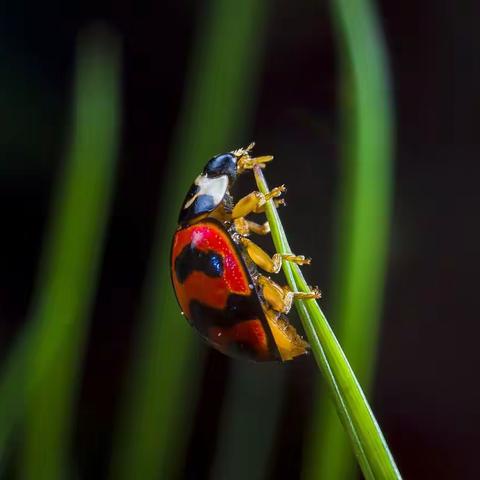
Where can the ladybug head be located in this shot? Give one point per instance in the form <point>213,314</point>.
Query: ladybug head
<point>223,164</point>
<point>231,164</point>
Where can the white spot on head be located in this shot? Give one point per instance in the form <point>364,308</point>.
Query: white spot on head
<point>214,187</point>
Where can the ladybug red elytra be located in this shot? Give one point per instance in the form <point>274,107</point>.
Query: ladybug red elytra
<point>215,267</point>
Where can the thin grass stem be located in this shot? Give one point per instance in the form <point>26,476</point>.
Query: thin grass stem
<point>366,438</point>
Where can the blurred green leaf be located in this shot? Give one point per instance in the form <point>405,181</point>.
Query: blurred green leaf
<point>249,421</point>
<point>352,407</point>
<point>156,415</point>
<point>68,278</point>
<point>49,349</point>
<point>364,210</point>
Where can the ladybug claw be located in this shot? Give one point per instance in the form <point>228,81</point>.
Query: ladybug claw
<point>298,259</point>
<point>275,192</point>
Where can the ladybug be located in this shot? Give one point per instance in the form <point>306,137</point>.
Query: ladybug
<point>216,268</point>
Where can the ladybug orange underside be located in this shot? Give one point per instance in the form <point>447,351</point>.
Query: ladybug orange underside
<point>217,294</point>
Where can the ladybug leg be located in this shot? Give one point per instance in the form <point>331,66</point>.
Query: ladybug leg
<point>245,227</point>
<point>247,163</point>
<point>277,201</point>
<point>255,202</point>
<point>280,298</point>
<point>268,263</point>
<point>289,343</point>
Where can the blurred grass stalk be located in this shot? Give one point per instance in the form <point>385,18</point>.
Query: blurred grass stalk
<point>156,415</point>
<point>68,281</point>
<point>364,211</point>
<point>42,372</point>
<point>253,404</point>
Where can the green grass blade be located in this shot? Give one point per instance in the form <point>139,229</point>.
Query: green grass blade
<point>366,438</point>
<point>12,384</point>
<point>222,72</point>
<point>67,280</point>
<point>253,404</point>
<point>364,209</point>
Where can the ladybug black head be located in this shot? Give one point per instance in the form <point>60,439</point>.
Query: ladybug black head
<point>223,164</point>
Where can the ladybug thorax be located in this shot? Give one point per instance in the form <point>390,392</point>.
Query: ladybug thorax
<point>204,196</point>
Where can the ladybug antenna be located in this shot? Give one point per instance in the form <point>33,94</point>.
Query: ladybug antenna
<point>246,162</point>
<point>242,152</point>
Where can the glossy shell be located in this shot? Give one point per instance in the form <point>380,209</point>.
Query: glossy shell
<point>217,294</point>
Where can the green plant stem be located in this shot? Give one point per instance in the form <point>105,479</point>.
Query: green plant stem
<point>68,276</point>
<point>156,414</point>
<point>366,438</point>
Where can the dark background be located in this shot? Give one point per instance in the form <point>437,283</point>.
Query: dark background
<point>426,390</point>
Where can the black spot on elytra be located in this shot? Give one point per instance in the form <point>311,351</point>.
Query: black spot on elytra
<point>239,308</point>
<point>191,259</point>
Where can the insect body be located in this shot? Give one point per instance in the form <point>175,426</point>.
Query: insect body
<point>215,267</point>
